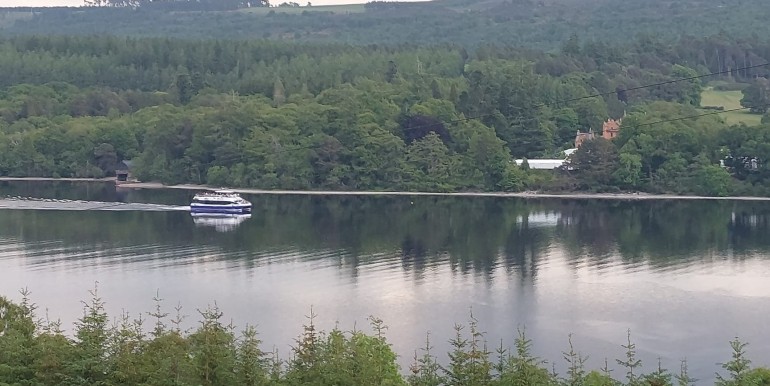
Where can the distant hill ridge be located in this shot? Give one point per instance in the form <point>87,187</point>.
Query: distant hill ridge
<point>542,24</point>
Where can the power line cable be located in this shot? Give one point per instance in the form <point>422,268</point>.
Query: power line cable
<point>699,115</point>
<point>460,120</point>
<point>466,119</point>
<point>665,82</point>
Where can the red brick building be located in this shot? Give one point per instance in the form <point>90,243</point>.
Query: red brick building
<point>611,128</point>
<point>582,137</point>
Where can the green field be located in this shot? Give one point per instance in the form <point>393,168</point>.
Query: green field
<point>340,9</point>
<point>729,100</point>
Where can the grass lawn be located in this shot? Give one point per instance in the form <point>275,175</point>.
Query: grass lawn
<point>342,8</point>
<point>729,100</point>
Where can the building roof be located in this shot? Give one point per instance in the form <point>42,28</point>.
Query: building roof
<point>542,164</point>
<point>125,165</point>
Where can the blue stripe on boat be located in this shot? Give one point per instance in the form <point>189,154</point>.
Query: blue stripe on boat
<point>220,209</point>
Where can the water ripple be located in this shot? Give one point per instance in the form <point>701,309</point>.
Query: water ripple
<point>29,203</point>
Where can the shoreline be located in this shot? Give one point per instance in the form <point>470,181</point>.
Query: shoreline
<point>528,195</point>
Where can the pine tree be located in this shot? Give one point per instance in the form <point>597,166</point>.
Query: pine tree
<point>251,363</point>
<point>524,164</point>
<point>631,363</point>
<point>453,95</point>
<point>392,73</point>
<point>576,365</point>
<point>425,369</point>
<point>373,359</point>
<point>304,366</point>
<point>456,372</point>
<point>435,89</point>
<point>53,353</point>
<point>660,377</point>
<point>18,346</point>
<point>737,367</point>
<point>212,349</point>
<point>125,351</point>
<point>524,369</point>
<point>184,88</point>
<point>88,367</point>
<point>479,354</point>
<point>683,378</point>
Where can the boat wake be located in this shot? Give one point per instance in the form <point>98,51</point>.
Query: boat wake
<point>28,203</point>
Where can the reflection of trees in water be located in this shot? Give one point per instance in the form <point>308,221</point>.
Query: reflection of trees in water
<point>473,235</point>
<point>476,236</point>
<point>59,190</point>
<point>523,248</point>
<point>661,232</point>
<point>413,254</point>
<point>585,230</point>
<point>92,191</point>
<point>749,227</point>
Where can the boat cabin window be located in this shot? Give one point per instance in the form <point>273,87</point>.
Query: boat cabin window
<point>209,202</point>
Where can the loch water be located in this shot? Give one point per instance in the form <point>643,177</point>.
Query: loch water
<point>684,276</point>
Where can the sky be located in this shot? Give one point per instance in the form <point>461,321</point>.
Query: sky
<point>75,3</point>
<point>40,3</point>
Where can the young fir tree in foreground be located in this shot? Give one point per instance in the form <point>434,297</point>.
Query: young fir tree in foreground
<point>37,352</point>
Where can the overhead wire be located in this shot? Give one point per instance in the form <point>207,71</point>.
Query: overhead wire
<point>565,101</point>
<point>715,112</point>
<point>671,81</point>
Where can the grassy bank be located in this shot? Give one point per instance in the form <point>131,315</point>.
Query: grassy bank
<point>730,100</point>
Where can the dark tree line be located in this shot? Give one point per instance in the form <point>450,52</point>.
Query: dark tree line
<point>179,5</point>
<point>534,24</point>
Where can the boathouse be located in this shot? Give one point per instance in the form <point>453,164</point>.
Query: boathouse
<point>123,171</point>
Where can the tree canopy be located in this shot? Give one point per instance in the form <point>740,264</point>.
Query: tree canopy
<point>314,116</point>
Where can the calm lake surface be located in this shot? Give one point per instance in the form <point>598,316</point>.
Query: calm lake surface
<point>684,276</point>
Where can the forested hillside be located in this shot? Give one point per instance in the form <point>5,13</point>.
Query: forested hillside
<point>541,24</point>
<point>279,115</point>
<point>355,98</point>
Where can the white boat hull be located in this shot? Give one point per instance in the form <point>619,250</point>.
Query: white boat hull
<point>223,209</point>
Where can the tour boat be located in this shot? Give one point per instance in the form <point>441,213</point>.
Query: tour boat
<point>219,201</point>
